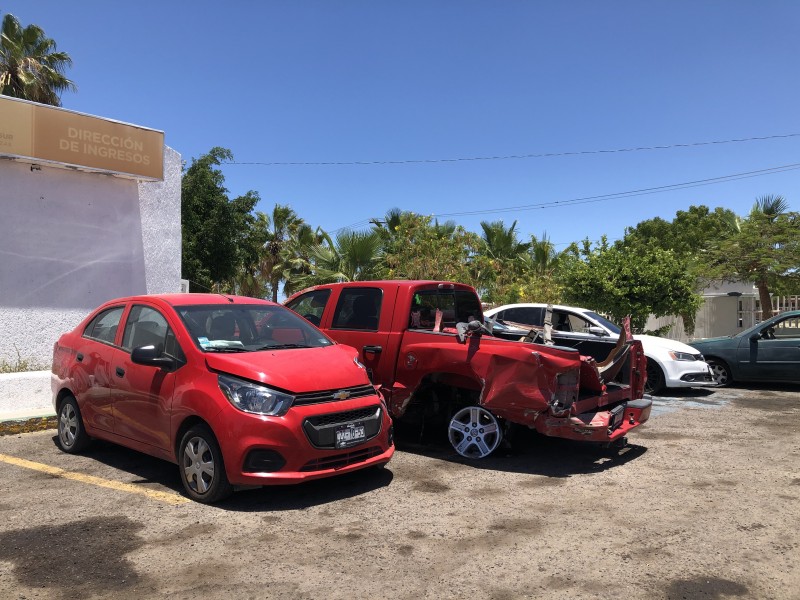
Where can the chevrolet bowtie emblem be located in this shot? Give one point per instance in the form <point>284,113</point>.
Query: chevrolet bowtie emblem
<point>342,395</point>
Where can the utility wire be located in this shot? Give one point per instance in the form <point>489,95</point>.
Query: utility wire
<point>606,197</point>
<point>510,156</point>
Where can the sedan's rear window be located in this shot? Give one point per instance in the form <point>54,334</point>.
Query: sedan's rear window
<point>249,328</point>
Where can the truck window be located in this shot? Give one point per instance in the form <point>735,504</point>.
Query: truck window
<point>310,306</point>
<point>358,308</point>
<point>456,307</point>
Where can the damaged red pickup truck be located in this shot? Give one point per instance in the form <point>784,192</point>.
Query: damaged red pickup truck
<point>424,345</point>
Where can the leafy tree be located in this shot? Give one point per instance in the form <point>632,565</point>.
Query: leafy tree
<point>30,66</point>
<point>612,280</point>
<point>213,228</point>
<point>764,249</point>
<point>416,248</point>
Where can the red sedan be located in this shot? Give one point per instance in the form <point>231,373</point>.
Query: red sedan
<point>235,390</point>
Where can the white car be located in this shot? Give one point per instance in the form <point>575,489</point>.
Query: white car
<point>670,364</point>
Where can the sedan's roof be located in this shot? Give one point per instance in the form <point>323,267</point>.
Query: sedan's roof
<point>193,299</point>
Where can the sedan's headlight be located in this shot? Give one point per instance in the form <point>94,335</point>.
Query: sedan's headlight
<point>682,356</point>
<point>254,398</point>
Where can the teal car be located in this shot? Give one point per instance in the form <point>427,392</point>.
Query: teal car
<point>769,351</point>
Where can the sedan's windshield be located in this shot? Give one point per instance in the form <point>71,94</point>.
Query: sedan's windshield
<point>248,328</point>
<point>604,322</point>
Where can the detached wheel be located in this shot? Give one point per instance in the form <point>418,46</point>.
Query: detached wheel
<point>720,372</point>
<point>202,469</point>
<point>474,432</point>
<point>72,436</point>
<point>655,378</point>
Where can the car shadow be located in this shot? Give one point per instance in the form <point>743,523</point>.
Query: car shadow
<point>147,469</point>
<point>150,472</point>
<point>529,452</point>
<point>693,393</point>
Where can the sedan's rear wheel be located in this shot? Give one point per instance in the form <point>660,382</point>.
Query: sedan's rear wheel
<point>72,437</point>
<point>202,469</point>
<point>474,432</point>
<point>720,372</point>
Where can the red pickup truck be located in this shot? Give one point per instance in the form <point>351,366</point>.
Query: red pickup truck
<point>424,345</point>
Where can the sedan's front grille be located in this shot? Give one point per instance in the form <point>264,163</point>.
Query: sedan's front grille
<point>338,461</point>
<point>321,429</point>
<point>358,391</point>
<point>343,418</point>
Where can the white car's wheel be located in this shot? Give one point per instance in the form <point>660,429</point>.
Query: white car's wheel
<point>474,432</point>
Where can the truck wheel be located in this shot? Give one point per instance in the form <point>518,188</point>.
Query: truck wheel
<point>474,432</point>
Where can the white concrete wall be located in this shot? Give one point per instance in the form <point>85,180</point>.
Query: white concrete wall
<point>71,240</point>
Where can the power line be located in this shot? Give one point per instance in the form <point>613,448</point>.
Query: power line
<point>510,156</point>
<point>612,196</point>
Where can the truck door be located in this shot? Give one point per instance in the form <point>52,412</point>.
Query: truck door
<point>359,321</point>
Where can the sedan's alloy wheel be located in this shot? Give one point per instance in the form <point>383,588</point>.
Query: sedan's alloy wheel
<point>68,425</point>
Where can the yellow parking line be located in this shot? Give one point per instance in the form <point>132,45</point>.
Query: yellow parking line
<point>168,497</point>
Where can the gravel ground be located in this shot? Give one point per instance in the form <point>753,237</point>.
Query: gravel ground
<point>704,503</point>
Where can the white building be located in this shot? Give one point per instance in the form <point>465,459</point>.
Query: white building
<point>90,210</point>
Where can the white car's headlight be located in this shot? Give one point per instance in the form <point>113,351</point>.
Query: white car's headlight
<point>254,398</point>
<point>682,356</point>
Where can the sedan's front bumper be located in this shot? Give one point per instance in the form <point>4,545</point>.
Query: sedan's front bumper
<point>685,374</point>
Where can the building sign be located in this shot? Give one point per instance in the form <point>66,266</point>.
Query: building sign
<point>35,132</point>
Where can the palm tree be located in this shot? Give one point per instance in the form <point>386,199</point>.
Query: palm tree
<point>30,66</point>
<point>767,209</point>
<point>502,244</point>
<point>542,255</point>
<point>353,256</point>
<point>276,259</point>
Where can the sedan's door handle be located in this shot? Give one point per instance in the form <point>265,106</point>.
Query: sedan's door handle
<point>375,349</point>
<point>120,372</point>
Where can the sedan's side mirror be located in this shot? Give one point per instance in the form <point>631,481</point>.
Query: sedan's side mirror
<point>598,331</point>
<point>755,337</point>
<point>152,356</point>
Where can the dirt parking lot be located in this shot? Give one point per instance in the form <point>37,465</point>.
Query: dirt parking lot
<point>704,503</point>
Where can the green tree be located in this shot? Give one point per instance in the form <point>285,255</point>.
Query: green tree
<point>213,228</point>
<point>765,249</point>
<point>31,68</point>
<point>414,247</point>
<point>612,280</point>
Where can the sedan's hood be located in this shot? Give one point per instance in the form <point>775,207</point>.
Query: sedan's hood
<point>297,370</point>
<point>652,341</point>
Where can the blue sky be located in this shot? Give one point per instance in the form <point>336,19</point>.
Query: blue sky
<point>369,80</point>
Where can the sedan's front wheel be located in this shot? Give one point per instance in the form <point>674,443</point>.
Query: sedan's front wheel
<point>202,469</point>
<point>720,372</point>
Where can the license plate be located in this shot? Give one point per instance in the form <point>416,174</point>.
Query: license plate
<point>350,435</point>
<point>617,415</point>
